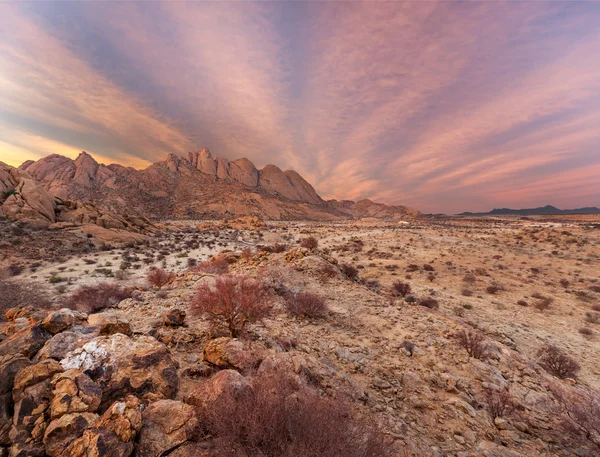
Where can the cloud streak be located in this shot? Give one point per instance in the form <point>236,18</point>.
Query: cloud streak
<point>442,106</point>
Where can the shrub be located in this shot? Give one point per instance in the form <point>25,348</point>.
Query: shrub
<point>159,277</point>
<point>15,269</point>
<point>466,292</point>
<point>410,299</point>
<point>579,407</point>
<point>373,284</point>
<point>55,279</point>
<point>557,362</point>
<point>474,343</point>
<point>412,267</point>
<point>328,271</point>
<point>17,294</point>
<point>90,299</point>
<point>215,266</point>
<point>350,271</point>
<point>542,303</point>
<point>592,318</point>
<point>400,289</point>
<point>469,278</point>
<point>428,267</point>
<point>430,303</point>
<point>586,331</point>
<point>306,304</point>
<point>309,243</point>
<point>492,289</point>
<point>522,303</point>
<point>233,302</point>
<point>279,417</point>
<point>499,402</point>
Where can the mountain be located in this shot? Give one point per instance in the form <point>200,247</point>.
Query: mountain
<point>197,186</point>
<point>547,210</point>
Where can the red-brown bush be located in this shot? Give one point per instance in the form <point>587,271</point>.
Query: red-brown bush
<point>499,402</point>
<point>280,418</point>
<point>159,277</point>
<point>400,289</point>
<point>309,243</point>
<point>350,271</point>
<point>233,302</point>
<point>557,362</point>
<point>430,303</point>
<point>473,342</point>
<point>306,304</point>
<point>91,299</point>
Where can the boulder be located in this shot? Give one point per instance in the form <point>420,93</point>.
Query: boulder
<point>167,424</point>
<point>112,435</point>
<point>61,320</point>
<point>109,324</point>
<point>230,352</point>
<point>27,341</point>
<point>224,384</point>
<point>63,431</point>
<point>74,392</point>
<point>9,367</point>
<point>123,365</point>
<point>30,202</point>
<point>62,343</point>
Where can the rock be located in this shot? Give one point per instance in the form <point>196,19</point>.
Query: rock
<point>224,384</point>
<point>26,342</point>
<point>31,395</point>
<point>63,431</point>
<point>122,365</point>
<point>61,320</point>
<point>230,352</point>
<point>112,435</point>
<point>174,317</point>
<point>411,381</point>
<point>199,370</point>
<point>62,343</point>
<point>167,424</point>
<point>109,324</point>
<point>74,392</point>
<point>29,202</point>
<point>9,367</point>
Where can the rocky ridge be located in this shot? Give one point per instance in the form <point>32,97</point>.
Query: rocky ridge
<point>197,186</point>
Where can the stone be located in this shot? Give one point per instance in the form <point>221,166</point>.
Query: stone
<point>63,431</point>
<point>174,317</point>
<point>62,343</point>
<point>74,392</point>
<point>232,353</point>
<point>109,324</point>
<point>27,341</point>
<point>166,425</point>
<point>59,321</point>
<point>112,435</point>
<point>224,384</point>
<point>9,367</point>
<point>123,365</point>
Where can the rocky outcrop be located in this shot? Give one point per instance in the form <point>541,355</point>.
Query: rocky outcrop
<point>196,186</point>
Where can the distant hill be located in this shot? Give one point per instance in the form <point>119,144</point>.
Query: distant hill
<point>547,210</point>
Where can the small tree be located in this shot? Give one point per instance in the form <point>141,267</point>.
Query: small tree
<point>159,277</point>
<point>233,302</point>
<point>557,362</point>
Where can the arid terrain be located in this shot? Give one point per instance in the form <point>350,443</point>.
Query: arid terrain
<point>397,297</point>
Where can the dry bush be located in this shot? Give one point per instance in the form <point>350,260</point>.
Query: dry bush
<point>400,289</point>
<point>306,304</point>
<point>412,267</point>
<point>430,303</point>
<point>279,417</point>
<point>91,299</point>
<point>557,362</point>
<point>309,243</point>
<point>493,289</point>
<point>541,302</point>
<point>159,277</point>
<point>280,279</point>
<point>350,271</point>
<point>214,266</point>
<point>469,278</point>
<point>498,401</point>
<point>233,302</point>
<point>592,318</point>
<point>466,292</point>
<point>586,331</point>
<point>579,409</point>
<point>17,294</point>
<point>522,303</point>
<point>474,343</point>
<point>428,267</point>
<point>328,271</point>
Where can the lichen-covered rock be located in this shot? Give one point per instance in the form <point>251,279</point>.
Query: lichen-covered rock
<point>61,320</point>
<point>122,365</point>
<point>112,435</point>
<point>31,395</point>
<point>63,431</point>
<point>233,353</point>
<point>74,392</point>
<point>167,424</point>
<point>62,343</point>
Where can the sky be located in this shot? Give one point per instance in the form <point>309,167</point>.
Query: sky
<point>444,107</point>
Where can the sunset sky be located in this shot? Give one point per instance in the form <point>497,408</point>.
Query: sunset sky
<point>444,107</point>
